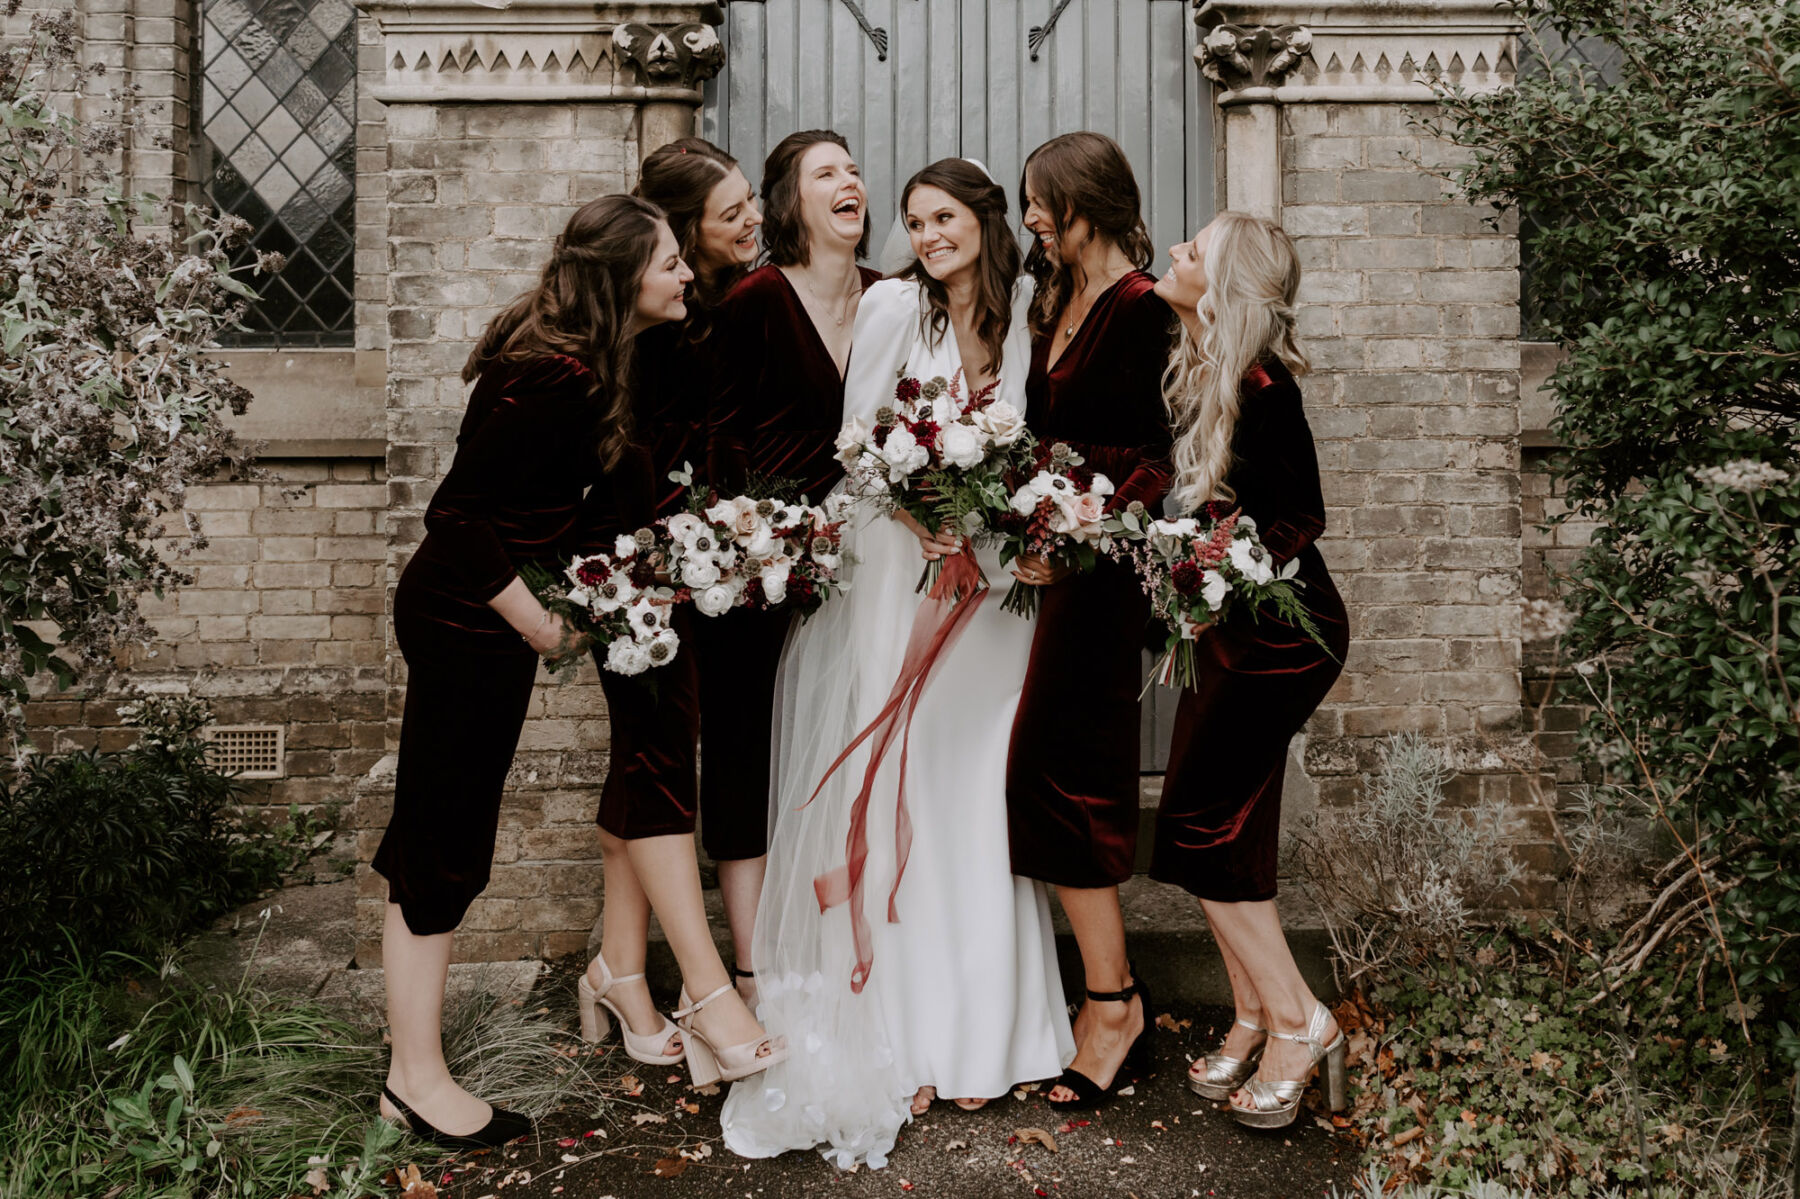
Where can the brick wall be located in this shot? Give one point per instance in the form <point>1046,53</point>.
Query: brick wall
<point>284,625</point>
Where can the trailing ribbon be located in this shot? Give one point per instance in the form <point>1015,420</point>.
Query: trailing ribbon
<point>959,591</point>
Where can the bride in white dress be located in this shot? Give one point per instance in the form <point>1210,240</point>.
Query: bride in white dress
<point>963,993</point>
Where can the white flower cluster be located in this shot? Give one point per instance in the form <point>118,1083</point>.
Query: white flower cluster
<point>1742,474</point>
<point>929,429</point>
<point>716,554</point>
<point>636,617</point>
<point>1074,513</point>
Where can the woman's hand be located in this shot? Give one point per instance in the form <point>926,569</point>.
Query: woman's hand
<point>556,638</point>
<point>932,546</point>
<point>1029,568</point>
<point>544,631</point>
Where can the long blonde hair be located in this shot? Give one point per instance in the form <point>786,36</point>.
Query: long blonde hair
<point>1246,315</point>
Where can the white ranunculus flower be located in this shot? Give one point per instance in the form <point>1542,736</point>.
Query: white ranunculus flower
<point>624,546</point>
<point>716,600</point>
<point>1214,588</point>
<point>1183,528</point>
<point>1026,498</point>
<point>852,439</point>
<point>903,454</point>
<point>626,656</point>
<point>775,580</point>
<point>1101,485</point>
<point>1002,422</point>
<point>697,570</point>
<point>684,527</point>
<point>1251,560</point>
<point>961,445</point>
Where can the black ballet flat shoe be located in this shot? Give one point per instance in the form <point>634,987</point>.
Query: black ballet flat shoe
<point>1090,1095</point>
<point>503,1127</point>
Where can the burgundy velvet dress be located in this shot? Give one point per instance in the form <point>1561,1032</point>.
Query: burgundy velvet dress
<point>525,454</point>
<point>1072,770</point>
<point>651,788</point>
<point>774,414</point>
<point>1259,678</point>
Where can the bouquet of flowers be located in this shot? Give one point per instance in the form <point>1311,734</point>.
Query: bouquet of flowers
<point>615,600</point>
<point>939,455</point>
<point>756,553</point>
<point>1058,514</point>
<point>1196,575</point>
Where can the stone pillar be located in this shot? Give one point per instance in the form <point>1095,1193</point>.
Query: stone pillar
<point>500,122</point>
<point>1409,311</point>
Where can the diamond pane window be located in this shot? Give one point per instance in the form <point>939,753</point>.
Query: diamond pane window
<point>278,105</point>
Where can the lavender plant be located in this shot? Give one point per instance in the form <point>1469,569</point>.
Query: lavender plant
<point>109,408</point>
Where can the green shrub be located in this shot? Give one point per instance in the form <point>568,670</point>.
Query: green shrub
<point>125,851</point>
<point>1662,210</point>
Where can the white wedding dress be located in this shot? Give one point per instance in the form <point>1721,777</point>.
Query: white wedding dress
<point>963,993</point>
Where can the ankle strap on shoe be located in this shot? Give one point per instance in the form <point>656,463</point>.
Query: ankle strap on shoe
<point>737,973</point>
<point>1125,996</point>
<point>1252,1027</point>
<point>691,1008</point>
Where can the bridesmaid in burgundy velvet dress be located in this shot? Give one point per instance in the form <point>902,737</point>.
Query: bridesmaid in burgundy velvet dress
<point>1101,342</point>
<point>1243,442</point>
<point>783,344</point>
<point>650,789</point>
<point>547,417</point>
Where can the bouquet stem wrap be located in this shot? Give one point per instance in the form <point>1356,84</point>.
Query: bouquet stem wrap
<point>953,600</point>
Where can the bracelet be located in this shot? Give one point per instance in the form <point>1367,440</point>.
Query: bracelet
<point>542,621</point>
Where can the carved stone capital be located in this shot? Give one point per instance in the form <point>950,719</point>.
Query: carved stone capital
<point>1355,50</point>
<point>595,51</point>
<point>1239,56</point>
<point>669,56</point>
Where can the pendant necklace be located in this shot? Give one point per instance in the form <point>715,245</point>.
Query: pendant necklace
<point>843,305</point>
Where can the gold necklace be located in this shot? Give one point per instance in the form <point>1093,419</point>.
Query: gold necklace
<point>843,306</point>
<point>1073,322</point>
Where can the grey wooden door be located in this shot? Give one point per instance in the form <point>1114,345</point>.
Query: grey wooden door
<point>908,82</point>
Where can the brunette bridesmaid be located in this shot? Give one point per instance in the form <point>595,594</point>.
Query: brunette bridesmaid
<point>550,413</point>
<point>649,802</point>
<point>783,345</point>
<point>1101,340</point>
<point>1242,442</point>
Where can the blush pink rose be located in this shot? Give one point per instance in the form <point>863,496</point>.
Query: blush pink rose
<point>1089,509</point>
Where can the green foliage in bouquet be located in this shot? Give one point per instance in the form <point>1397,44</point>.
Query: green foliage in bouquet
<point>1661,214</point>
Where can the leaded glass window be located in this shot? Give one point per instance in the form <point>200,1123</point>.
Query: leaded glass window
<point>278,103</point>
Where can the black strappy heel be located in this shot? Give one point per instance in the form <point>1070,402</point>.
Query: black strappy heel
<point>1090,1094</point>
<point>504,1126</point>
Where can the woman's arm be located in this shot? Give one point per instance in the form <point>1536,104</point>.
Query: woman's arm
<point>1280,468</point>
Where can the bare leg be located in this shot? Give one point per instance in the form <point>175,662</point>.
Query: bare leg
<point>625,939</point>
<point>415,970</point>
<point>1253,930</point>
<point>1109,1028</point>
<point>668,872</point>
<point>740,883</point>
<point>1240,1042</point>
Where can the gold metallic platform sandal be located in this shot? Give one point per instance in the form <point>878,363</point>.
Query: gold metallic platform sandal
<point>650,1048</point>
<point>709,1063</point>
<point>1276,1104</point>
<point>1217,1075</point>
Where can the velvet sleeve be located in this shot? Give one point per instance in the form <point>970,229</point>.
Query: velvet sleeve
<point>1281,469</point>
<point>487,466</point>
<point>733,388</point>
<point>1153,326</point>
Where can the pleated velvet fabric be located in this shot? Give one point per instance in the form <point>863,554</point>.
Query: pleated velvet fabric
<point>1072,770</point>
<point>774,413</point>
<point>525,453</point>
<point>1259,677</point>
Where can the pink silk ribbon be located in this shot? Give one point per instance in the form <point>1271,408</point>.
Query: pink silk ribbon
<point>955,597</point>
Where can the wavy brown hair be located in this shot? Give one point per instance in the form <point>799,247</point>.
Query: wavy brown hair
<point>1246,317</point>
<point>582,308</point>
<point>679,179</point>
<point>785,240</point>
<point>996,267</point>
<point>1083,175</point>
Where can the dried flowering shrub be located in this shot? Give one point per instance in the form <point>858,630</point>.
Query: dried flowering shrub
<point>109,409</point>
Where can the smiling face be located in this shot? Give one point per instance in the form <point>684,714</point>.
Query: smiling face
<point>1184,283</point>
<point>662,292</point>
<point>945,232</point>
<point>1076,230</point>
<point>833,202</point>
<point>728,227</point>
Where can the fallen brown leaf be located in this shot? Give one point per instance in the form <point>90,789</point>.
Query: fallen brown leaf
<point>692,1109</point>
<point>711,1088</point>
<point>1169,1023</point>
<point>643,1118</point>
<point>414,1186</point>
<point>670,1167</point>
<point>1038,1136</point>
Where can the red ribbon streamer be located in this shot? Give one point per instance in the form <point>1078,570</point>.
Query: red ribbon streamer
<point>959,591</point>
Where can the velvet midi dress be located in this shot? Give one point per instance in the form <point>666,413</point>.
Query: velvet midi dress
<point>1072,770</point>
<point>1258,677</point>
<point>526,452</point>
<point>773,414</point>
